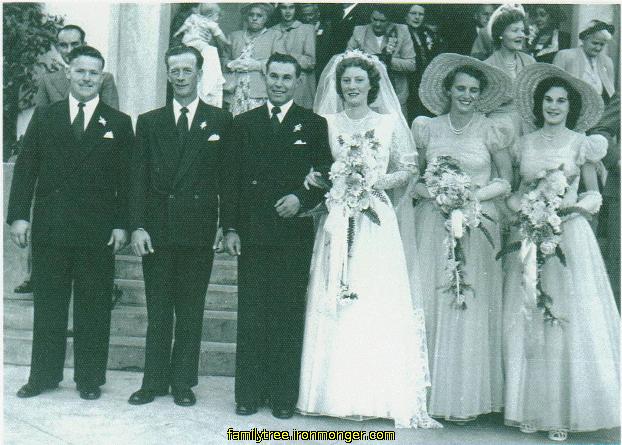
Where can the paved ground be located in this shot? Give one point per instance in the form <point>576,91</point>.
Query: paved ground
<point>60,417</point>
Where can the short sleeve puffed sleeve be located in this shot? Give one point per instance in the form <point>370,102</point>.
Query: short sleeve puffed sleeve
<point>421,131</point>
<point>591,148</point>
<point>498,135</point>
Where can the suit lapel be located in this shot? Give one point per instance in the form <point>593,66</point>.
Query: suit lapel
<point>70,146</point>
<point>194,143</point>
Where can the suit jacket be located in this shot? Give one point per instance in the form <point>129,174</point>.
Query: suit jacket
<point>55,86</point>
<point>81,187</point>
<point>339,29</point>
<point>262,167</point>
<point>403,59</point>
<point>573,61</point>
<point>176,199</point>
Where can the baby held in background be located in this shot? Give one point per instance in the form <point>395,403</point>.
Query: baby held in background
<point>201,31</point>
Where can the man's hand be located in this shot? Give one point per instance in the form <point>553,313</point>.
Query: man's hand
<point>20,232</point>
<point>233,246</point>
<point>141,242</point>
<point>287,206</point>
<point>118,239</point>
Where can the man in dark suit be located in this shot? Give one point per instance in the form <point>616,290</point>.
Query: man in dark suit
<point>55,86</point>
<point>340,23</point>
<point>275,146</point>
<point>75,161</point>
<point>174,215</point>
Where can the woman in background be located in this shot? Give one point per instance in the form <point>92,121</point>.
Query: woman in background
<point>297,39</point>
<point>244,64</point>
<point>546,39</point>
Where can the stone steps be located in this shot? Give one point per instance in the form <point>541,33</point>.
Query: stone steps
<point>125,353</point>
<point>129,321</point>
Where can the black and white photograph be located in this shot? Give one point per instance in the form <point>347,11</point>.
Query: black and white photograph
<point>311,223</point>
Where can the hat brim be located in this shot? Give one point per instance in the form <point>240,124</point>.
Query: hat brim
<point>265,6</point>
<point>529,78</point>
<point>433,94</point>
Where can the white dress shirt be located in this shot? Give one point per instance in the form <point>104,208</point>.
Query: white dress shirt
<point>284,109</point>
<point>89,109</point>
<point>347,10</point>
<point>192,109</point>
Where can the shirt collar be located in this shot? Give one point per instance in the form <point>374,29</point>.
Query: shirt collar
<point>284,109</point>
<point>192,108</point>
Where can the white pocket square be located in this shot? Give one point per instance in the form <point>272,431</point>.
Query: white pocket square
<point>214,137</point>
<point>109,135</point>
<point>299,142</point>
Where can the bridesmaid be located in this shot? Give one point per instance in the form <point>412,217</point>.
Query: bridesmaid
<point>297,40</point>
<point>561,377</point>
<point>464,345</point>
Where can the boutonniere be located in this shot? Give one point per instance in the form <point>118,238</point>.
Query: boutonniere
<point>102,121</point>
<point>203,125</point>
<point>297,127</point>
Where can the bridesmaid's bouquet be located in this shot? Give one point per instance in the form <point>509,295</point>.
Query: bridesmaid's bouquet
<point>539,222</point>
<point>453,192</point>
<point>352,176</point>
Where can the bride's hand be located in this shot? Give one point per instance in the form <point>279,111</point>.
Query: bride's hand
<point>310,179</point>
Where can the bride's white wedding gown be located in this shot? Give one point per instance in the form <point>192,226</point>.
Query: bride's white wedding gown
<point>368,358</point>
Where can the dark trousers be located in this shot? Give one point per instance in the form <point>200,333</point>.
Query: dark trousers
<point>55,269</point>
<point>272,284</point>
<point>176,280</point>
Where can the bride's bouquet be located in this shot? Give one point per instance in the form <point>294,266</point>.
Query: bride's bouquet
<point>453,192</point>
<point>539,221</point>
<point>353,176</point>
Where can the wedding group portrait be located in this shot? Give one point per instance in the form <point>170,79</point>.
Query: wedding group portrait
<point>388,222</point>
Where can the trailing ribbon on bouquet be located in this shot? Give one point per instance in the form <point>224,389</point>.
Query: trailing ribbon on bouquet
<point>336,226</point>
<point>528,256</point>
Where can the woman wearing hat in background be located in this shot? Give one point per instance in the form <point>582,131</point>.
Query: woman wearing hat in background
<point>561,356</point>
<point>297,40</point>
<point>588,62</point>
<point>245,62</point>
<point>464,345</point>
<point>546,39</point>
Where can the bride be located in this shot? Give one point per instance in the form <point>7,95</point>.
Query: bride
<point>364,353</point>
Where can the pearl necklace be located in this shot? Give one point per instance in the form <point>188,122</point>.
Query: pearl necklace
<point>549,137</point>
<point>459,130</point>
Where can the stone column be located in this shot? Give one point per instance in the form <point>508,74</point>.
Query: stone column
<point>138,40</point>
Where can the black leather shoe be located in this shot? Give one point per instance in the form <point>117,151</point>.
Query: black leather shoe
<point>24,288</point>
<point>143,396</point>
<point>90,392</point>
<point>283,412</point>
<point>242,409</point>
<point>32,390</point>
<point>184,397</point>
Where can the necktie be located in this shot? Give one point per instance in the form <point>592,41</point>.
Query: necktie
<point>182,124</point>
<point>78,123</point>
<point>182,131</point>
<point>274,120</point>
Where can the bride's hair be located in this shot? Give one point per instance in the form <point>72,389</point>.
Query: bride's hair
<point>368,67</point>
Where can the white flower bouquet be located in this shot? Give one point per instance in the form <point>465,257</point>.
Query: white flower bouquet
<point>453,192</point>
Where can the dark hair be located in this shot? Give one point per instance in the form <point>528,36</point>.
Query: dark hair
<point>183,49</point>
<point>469,71</point>
<point>284,58</point>
<point>72,28</point>
<point>504,20</point>
<point>573,97</point>
<point>87,51</point>
<point>372,73</point>
<point>554,11</point>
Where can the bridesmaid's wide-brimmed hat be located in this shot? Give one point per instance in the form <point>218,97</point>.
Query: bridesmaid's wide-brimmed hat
<point>530,77</point>
<point>267,7</point>
<point>434,96</point>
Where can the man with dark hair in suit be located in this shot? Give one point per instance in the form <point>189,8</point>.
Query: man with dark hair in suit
<point>391,43</point>
<point>173,216</point>
<point>75,161</point>
<point>55,86</point>
<point>274,148</point>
